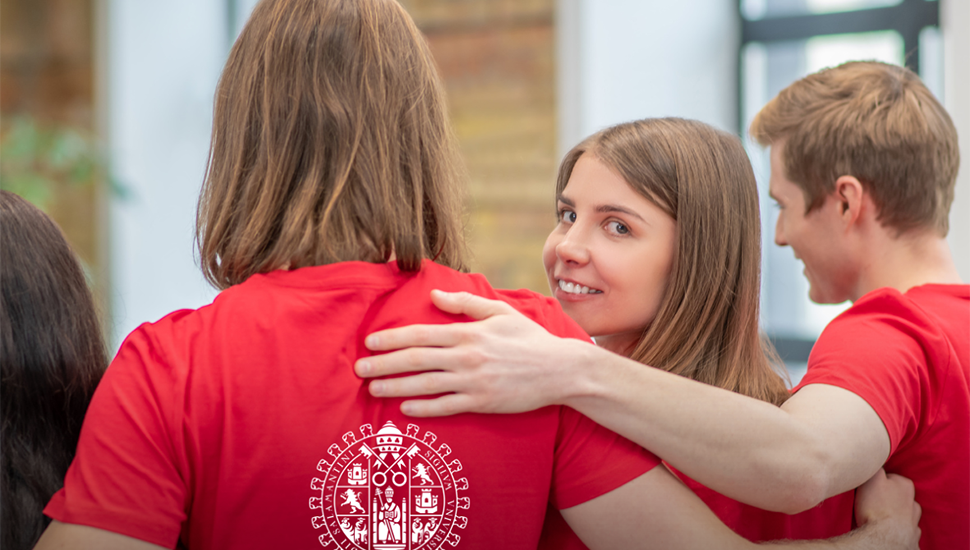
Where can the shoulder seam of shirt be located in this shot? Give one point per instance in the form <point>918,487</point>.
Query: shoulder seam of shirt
<point>949,356</point>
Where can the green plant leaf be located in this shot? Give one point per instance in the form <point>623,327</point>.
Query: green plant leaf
<point>35,160</point>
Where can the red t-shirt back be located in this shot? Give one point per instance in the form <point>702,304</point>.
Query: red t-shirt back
<point>908,356</point>
<point>242,425</point>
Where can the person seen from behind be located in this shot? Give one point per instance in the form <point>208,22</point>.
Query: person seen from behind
<point>52,356</point>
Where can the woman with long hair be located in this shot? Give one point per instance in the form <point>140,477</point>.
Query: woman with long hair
<point>704,325</point>
<point>678,291</point>
<point>52,355</point>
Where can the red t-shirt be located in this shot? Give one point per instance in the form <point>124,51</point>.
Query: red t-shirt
<point>242,425</point>
<point>831,518</point>
<point>908,356</point>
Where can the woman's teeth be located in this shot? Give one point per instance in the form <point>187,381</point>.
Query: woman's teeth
<point>573,288</point>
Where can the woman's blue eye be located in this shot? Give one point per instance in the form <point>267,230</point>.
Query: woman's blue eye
<point>619,228</point>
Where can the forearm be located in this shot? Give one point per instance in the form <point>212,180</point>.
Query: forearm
<point>824,441</point>
<point>747,449</point>
<point>883,535</point>
<point>66,536</point>
<point>657,511</point>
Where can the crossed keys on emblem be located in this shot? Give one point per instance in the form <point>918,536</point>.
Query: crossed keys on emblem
<point>371,453</point>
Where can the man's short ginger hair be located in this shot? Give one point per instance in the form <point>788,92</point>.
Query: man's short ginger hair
<point>876,122</point>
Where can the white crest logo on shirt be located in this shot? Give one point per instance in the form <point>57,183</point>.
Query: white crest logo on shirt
<point>389,491</point>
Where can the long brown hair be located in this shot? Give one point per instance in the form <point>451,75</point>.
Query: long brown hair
<point>52,356</point>
<point>330,143</point>
<point>707,325</point>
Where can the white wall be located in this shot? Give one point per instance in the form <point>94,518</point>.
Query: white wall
<point>621,60</point>
<point>618,60</point>
<point>955,15</point>
<point>624,59</point>
<point>163,61</point>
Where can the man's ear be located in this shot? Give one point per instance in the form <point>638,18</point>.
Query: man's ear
<point>850,194</point>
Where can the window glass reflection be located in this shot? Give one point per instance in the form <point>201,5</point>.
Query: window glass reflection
<point>761,9</point>
<point>832,50</point>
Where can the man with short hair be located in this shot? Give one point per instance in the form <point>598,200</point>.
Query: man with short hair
<point>863,167</point>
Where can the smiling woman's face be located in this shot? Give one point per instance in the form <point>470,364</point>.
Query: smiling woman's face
<point>609,257</point>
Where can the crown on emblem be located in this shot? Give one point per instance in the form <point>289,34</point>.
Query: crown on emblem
<point>389,438</point>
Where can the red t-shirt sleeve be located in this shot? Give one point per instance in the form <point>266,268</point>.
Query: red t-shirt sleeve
<point>878,350</point>
<point>590,461</point>
<point>128,476</point>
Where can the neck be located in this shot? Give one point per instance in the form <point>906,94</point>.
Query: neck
<point>620,344</point>
<point>902,262</point>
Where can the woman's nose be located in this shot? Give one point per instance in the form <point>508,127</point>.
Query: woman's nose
<point>573,249</point>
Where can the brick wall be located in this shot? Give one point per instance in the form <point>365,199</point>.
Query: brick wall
<point>46,72</point>
<point>497,61</point>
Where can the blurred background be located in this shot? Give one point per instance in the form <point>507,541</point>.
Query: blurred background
<point>105,112</point>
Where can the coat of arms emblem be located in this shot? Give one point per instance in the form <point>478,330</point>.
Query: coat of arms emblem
<point>389,491</point>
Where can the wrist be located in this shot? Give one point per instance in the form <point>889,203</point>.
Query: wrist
<point>579,379</point>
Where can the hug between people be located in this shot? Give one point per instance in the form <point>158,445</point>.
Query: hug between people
<point>353,386</point>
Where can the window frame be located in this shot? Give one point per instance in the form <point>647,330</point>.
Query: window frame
<point>908,18</point>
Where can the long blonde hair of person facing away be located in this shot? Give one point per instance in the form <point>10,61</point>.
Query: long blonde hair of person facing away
<point>330,143</point>
<point>707,325</point>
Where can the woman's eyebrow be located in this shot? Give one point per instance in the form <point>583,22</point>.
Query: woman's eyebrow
<point>607,208</point>
<point>604,208</point>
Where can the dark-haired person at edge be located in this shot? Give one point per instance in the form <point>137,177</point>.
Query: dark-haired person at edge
<point>330,209</point>
<point>52,356</point>
<point>863,166</point>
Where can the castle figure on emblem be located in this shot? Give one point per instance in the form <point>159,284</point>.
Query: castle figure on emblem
<point>425,503</point>
<point>357,475</point>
